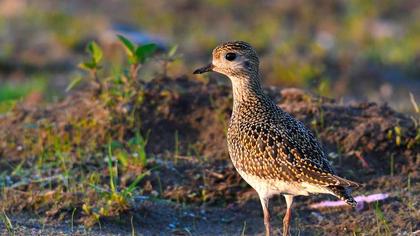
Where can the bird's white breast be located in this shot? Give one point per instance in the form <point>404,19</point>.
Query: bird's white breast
<point>270,187</point>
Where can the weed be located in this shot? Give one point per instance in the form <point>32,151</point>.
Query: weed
<point>133,153</point>
<point>137,54</point>
<point>324,87</point>
<point>114,198</point>
<point>91,65</point>
<point>409,182</point>
<point>8,223</point>
<point>414,103</point>
<point>243,229</point>
<point>72,219</point>
<point>133,231</point>
<point>318,122</point>
<point>381,222</point>
<point>167,58</point>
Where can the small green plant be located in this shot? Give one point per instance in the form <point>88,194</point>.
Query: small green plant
<point>137,54</point>
<point>8,223</point>
<point>318,123</point>
<point>133,153</point>
<point>113,179</point>
<point>92,65</point>
<point>114,198</point>
<point>381,222</point>
<point>169,57</point>
<point>324,87</point>
<point>137,145</point>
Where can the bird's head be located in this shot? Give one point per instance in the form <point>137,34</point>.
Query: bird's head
<point>233,59</point>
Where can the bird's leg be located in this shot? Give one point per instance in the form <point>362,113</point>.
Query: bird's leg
<point>286,219</point>
<point>286,222</point>
<point>264,204</point>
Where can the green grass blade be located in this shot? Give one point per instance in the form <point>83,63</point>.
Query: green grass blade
<point>73,83</point>
<point>172,51</point>
<point>133,185</point>
<point>112,183</point>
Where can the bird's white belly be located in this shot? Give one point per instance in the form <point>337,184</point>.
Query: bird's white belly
<point>270,187</point>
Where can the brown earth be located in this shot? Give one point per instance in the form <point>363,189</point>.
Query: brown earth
<point>186,121</point>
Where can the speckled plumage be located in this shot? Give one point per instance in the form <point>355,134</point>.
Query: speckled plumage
<point>268,143</point>
<point>271,150</point>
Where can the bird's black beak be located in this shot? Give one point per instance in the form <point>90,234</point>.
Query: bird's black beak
<point>205,69</point>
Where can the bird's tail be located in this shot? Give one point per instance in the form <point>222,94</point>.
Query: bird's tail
<point>343,193</point>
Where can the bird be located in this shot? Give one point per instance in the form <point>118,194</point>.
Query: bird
<point>270,149</point>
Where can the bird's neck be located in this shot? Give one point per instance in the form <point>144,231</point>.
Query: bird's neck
<point>247,90</point>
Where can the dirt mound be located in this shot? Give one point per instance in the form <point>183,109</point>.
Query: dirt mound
<point>28,131</point>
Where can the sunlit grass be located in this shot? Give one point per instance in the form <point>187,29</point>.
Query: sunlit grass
<point>381,222</point>
<point>8,223</point>
<point>11,91</point>
<point>16,90</point>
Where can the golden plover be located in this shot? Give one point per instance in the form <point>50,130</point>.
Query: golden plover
<point>272,151</point>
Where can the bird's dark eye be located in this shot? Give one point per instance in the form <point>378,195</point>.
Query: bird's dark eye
<point>230,56</point>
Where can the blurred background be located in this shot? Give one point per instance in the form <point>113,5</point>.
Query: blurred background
<point>349,50</point>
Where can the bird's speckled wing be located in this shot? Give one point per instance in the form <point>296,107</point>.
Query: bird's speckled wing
<point>289,154</point>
